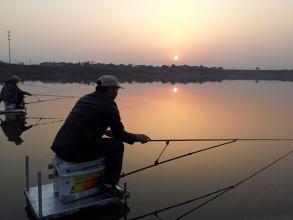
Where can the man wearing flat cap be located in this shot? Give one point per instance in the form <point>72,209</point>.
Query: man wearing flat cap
<point>11,95</point>
<point>80,137</point>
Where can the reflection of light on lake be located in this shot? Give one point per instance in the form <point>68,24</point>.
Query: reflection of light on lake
<point>175,89</point>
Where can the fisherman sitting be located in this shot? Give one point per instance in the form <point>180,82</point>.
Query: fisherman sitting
<point>11,95</point>
<point>80,137</point>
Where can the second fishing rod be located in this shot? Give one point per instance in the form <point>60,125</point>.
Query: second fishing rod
<point>225,141</point>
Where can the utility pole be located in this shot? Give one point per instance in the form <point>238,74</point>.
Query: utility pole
<point>8,32</point>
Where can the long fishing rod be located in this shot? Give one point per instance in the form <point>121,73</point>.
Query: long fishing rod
<point>219,193</point>
<point>62,96</point>
<point>230,140</point>
<point>43,118</point>
<point>137,103</point>
<point>45,123</point>
<point>222,139</point>
<point>157,163</point>
<point>46,100</point>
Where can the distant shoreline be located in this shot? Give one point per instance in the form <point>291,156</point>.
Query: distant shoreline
<point>87,72</point>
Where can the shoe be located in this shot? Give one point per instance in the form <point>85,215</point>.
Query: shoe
<point>112,190</point>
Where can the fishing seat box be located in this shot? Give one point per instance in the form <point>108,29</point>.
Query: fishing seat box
<point>73,181</point>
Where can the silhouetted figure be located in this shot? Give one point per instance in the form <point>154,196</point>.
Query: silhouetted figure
<point>11,95</point>
<point>13,126</point>
<point>80,137</point>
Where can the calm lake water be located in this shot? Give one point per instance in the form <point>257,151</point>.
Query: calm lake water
<point>231,109</point>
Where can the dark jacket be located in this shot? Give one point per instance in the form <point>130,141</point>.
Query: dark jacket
<point>10,93</point>
<point>88,121</point>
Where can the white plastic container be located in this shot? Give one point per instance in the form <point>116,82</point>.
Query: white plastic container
<point>73,181</point>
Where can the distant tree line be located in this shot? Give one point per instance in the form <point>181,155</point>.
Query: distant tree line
<point>87,72</point>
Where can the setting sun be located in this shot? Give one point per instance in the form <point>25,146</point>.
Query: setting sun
<point>175,89</point>
<point>175,57</point>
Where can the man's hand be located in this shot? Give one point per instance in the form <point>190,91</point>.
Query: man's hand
<point>142,138</point>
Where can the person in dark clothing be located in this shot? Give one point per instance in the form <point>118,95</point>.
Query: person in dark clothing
<point>11,95</point>
<point>80,137</point>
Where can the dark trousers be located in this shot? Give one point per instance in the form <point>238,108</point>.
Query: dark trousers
<point>110,148</point>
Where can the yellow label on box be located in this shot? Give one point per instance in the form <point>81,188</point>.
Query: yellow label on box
<point>85,182</point>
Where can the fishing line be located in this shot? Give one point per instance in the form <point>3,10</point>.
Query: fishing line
<point>46,100</point>
<point>224,139</point>
<point>50,122</point>
<point>42,118</point>
<point>157,163</point>
<point>137,103</point>
<point>157,160</point>
<point>62,96</point>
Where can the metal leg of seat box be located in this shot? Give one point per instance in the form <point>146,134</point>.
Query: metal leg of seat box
<point>40,194</point>
<point>27,183</point>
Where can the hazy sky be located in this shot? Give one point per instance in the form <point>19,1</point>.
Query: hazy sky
<point>228,33</point>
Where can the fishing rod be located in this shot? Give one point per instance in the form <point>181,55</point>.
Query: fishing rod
<point>50,122</point>
<point>62,96</point>
<point>222,139</point>
<point>167,141</point>
<point>157,163</point>
<point>44,123</point>
<point>136,103</point>
<point>65,96</point>
<point>218,193</point>
<point>43,118</point>
<point>46,100</point>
